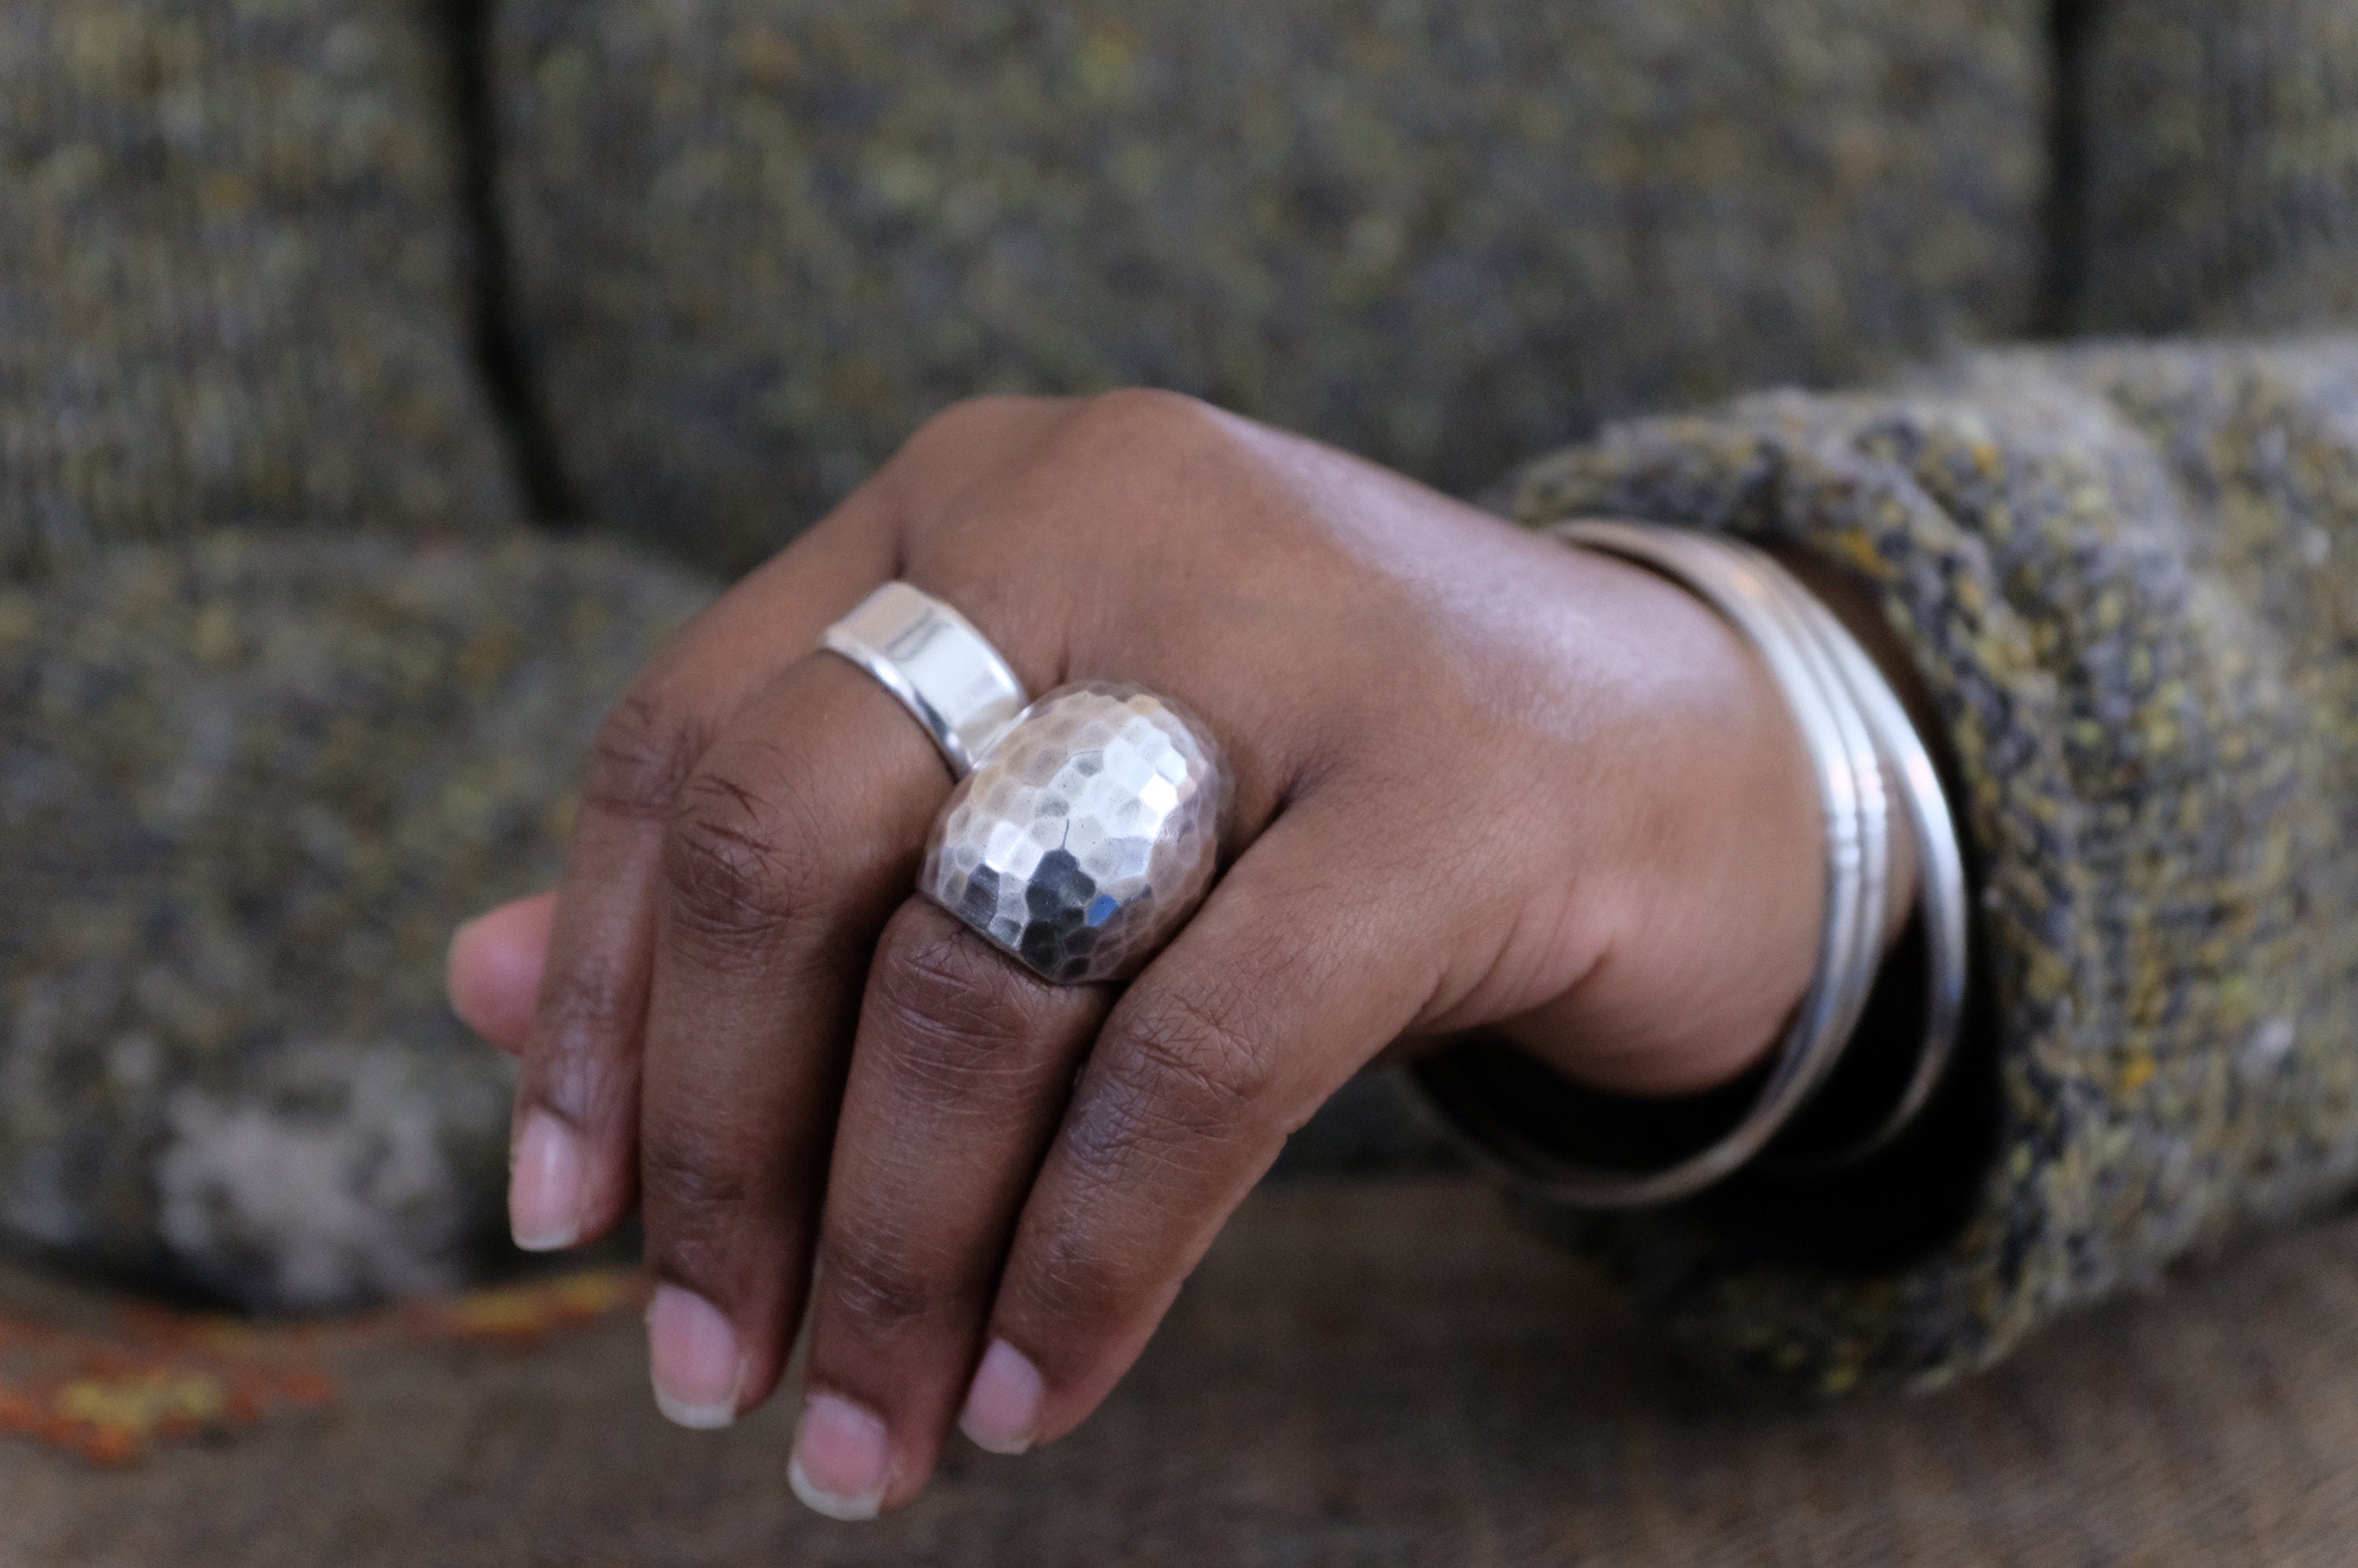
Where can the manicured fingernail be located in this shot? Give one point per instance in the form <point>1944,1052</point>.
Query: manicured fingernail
<point>1002,1403</point>
<point>693,1359</point>
<point>842,1458</point>
<point>545,1184</point>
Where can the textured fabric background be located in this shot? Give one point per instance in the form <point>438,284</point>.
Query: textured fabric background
<point>247,788</point>
<point>755,242</point>
<point>232,277</point>
<point>2220,150</point>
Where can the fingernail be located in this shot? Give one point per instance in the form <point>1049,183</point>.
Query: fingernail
<point>545,1184</point>
<point>841,1458</point>
<point>1002,1403</point>
<point>693,1359</point>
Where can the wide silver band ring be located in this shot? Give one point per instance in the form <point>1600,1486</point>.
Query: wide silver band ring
<point>945,672</point>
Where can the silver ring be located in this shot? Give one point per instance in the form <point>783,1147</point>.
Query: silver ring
<point>943,670</point>
<point>1087,835</point>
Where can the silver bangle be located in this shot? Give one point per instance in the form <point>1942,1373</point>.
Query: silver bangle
<point>1847,714</point>
<point>1939,862</point>
<point>1856,966</point>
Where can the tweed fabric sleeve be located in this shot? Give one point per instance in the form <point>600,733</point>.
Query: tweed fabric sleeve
<point>247,787</point>
<point>232,277</point>
<point>2129,576</point>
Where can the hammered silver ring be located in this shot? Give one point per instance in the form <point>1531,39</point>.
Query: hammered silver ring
<point>1087,836</point>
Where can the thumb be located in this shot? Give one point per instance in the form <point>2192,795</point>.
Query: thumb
<point>495,969</point>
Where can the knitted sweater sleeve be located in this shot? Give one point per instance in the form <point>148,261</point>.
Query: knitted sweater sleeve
<point>2129,577</point>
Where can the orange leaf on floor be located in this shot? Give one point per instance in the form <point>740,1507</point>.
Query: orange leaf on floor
<point>147,1374</point>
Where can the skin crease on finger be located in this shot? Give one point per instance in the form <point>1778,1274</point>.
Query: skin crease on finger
<point>1501,783</point>
<point>576,1147</point>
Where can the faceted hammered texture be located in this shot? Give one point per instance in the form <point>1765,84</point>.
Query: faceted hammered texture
<point>1087,836</point>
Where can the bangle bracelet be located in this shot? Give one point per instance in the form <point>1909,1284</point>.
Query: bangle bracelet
<point>1854,730</point>
<point>1939,863</point>
<point>1842,755</point>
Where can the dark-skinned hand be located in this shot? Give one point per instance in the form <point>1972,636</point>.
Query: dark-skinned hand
<point>1482,779</point>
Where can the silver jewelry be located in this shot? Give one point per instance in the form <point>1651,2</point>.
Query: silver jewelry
<point>1856,964</point>
<point>943,670</point>
<point>1087,837</point>
<point>1940,861</point>
<point>1845,711</point>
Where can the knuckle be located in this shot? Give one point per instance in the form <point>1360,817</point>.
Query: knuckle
<point>984,408</point>
<point>595,999</point>
<point>692,1189</point>
<point>1136,410</point>
<point>644,754</point>
<point>957,426</point>
<point>875,1288</point>
<point>1180,1067</point>
<point>949,1006</point>
<point>590,1018</point>
<point>734,875</point>
<point>1075,1284</point>
<point>1149,429</point>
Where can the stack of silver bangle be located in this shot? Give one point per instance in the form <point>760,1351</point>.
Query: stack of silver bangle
<point>1863,750</point>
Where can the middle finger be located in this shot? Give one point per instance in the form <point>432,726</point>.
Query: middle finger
<point>962,1067</point>
<point>795,838</point>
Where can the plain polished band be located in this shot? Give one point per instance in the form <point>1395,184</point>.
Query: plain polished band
<point>945,672</point>
<point>1085,827</point>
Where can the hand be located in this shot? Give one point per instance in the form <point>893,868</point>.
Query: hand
<point>1482,779</point>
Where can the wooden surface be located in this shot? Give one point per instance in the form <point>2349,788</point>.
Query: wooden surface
<point>1364,1373</point>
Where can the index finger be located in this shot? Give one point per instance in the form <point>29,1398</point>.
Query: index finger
<point>574,1135</point>
<point>574,1150</point>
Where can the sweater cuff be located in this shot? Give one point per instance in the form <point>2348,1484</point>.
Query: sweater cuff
<point>2127,754</point>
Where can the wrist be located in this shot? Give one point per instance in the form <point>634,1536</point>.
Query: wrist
<point>1755,843</point>
<point>1875,777</point>
<point>1715,888</point>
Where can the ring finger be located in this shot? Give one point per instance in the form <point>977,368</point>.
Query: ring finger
<point>962,1068</point>
<point>966,1058</point>
<point>579,1090</point>
<point>793,840</point>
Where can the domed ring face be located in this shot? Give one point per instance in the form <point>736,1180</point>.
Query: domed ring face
<point>1086,835</point>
